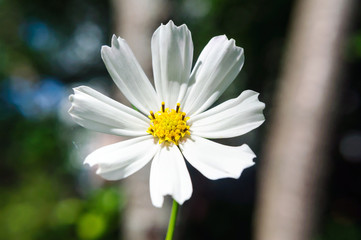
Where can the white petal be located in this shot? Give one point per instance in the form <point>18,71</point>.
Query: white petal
<point>96,111</point>
<point>129,76</point>
<point>216,68</point>
<point>232,118</point>
<point>215,160</point>
<point>169,176</point>
<point>119,160</point>
<point>172,56</point>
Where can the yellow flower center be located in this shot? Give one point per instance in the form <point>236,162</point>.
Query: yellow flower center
<point>168,125</point>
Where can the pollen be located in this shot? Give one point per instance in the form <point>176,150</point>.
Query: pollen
<point>168,125</point>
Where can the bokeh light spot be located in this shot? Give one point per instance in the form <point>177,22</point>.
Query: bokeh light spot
<point>91,226</point>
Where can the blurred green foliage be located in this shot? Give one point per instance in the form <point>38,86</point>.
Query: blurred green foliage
<point>38,195</point>
<point>340,229</point>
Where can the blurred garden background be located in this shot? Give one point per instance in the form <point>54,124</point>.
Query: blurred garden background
<point>48,47</point>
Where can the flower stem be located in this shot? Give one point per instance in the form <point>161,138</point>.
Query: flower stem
<point>172,220</point>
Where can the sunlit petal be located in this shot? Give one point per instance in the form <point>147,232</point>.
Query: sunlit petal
<point>119,160</point>
<point>232,118</point>
<point>98,112</point>
<point>172,55</point>
<point>129,76</point>
<point>215,160</point>
<point>216,68</point>
<point>169,176</point>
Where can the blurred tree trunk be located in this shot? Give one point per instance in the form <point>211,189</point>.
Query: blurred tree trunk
<point>295,158</point>
<point>135,21</point>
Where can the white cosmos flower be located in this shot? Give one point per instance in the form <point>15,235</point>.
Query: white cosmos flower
<point>173,122</point>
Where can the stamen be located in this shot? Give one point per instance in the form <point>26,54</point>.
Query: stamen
<point>168,125</point>
<point>152,114</point>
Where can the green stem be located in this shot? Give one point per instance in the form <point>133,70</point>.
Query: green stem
<point>172,220</point>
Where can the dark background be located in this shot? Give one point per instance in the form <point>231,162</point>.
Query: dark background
<point>47,47</point>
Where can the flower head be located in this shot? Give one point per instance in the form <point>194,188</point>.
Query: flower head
<point>173,121</point>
